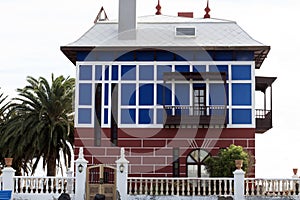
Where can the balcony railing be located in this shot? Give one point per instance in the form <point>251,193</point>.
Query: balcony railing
<point>263,120</point>
<point>195,115</point>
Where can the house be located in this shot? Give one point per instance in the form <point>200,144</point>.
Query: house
<point>171,90</point>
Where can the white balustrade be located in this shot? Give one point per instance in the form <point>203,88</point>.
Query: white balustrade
<point>180,186</point>
<point>42,185</point>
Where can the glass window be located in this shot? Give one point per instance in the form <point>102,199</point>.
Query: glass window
<point>98,72</point>
<point>241,94</point>
<point>196,163</point>
<point>146,72</point>
<point>182,92</point>
<point>85,72</point>
<point>241,72</point>
<point>241,116</point>
<point>145,116</point>
<point>84,115</point>
<point>128,72</point>
<point>85,94</point>
<point>128,116</point>
<point>128,94</point>
<point>161,69</point>
<point>146,94</point>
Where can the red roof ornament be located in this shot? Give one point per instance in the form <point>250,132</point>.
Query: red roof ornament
<point>158,8</point>
<point>207,10</point>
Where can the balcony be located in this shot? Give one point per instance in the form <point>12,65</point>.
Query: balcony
<point>263,120</point>
<point>195,115</point>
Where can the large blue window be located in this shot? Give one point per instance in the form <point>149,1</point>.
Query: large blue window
<point>145,116</point>
<point>128,94</point>
<point>128,116</point>
<point>85,94</point>
<point>128,72</point>
<point>146,94</point>
<point>161,69</point>
<point>182,92</point>
<point>241,72</point>
<point>85,72</point>
<point>241,94</point>
<point>164,94</point>
<point>241,116</point>
<point>84,115</point>
<point>146,72</point>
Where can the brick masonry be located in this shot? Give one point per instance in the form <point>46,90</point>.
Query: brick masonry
<point>150,151</point>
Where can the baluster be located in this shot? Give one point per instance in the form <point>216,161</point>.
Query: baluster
<point>230,187</point>
<point>16,184</point>
<point>141,187</point>
<point>194,187</point>
<point>151,187</point>
<point>220,187</point>
<point>130,187</point>
<point>215,188</point>
<point>182,187</point>
<point>199,186</point>
<point>172,187</point>
<point>252,183</point>
<point>209,187</point>
<point>225,187</point>
<point>161,187</point>
<point>204,182</point>
<point>177,184</point>
<point>146,187</point>
<point>188,183</point>
<point>167,187</point>
<point>156,187</point>
<point>135,187</point>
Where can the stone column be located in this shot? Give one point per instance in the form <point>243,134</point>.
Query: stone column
<point>239,184</point>
<point>8,174</point>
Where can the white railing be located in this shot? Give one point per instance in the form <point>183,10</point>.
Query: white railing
<point>271,187</point>
<point>180,186</point>
<point>43,185</point>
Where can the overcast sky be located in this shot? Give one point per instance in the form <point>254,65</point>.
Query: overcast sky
<point>32,32</point>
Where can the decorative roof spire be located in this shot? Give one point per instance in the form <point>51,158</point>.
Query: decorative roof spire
<point>158,8</point>
<point>101,16</point>
<point>207,10</point>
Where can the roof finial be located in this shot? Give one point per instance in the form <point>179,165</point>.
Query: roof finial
<point>207,10</point>
<point>102,16</point>
<point>158,8</point>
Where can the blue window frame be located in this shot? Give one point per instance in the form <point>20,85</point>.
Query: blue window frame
<point>84,115</point>
<point>146,72</point>
<point>241,94</point>
<point>241,72</point>
<point>128,96</point>
<point>85,72</point>
<point>146,94</point>
<point>85,94</point>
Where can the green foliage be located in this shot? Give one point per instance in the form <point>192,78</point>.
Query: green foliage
<point>39,124</point>
<point>223,164</point>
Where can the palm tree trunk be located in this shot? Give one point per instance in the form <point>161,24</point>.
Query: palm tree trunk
<point>51,164</point>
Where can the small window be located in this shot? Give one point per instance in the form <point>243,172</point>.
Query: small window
<point>186,31</point>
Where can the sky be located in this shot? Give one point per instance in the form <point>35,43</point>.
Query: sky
<point>32,31</point>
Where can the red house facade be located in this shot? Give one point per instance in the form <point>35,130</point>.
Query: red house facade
<point>171,90</point>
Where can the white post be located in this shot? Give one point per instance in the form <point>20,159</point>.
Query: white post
<point>239,176</point>
<point>8,174</point>
<point>69,182</point>
<point>80,183</point>
<point>122,175</point>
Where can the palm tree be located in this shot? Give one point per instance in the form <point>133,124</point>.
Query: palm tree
<point>41,123</point>
<point>3,107</point>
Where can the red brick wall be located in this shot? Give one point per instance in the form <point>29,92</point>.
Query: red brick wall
<point>150,151</point>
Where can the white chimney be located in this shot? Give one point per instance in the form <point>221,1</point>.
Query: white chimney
<point>127,19</point>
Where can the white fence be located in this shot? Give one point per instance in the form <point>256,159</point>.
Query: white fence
<point>181,186</point>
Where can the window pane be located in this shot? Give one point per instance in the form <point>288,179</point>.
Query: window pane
<point>192,170</point>
<point>128,94</point>
<point>128,116</point>
<point>146,94</point>
<point>115,74</point>
<point>146,72</point>
<point>146,116</point>
<point>161,69</point>
<point>241,94</point>
<point>85,72</point>
<point>84,116</point>
<point>182,94</point>
<point>128,72</point>
<point>85,94</point>
<point>98,73</point>
<point>168,94</point>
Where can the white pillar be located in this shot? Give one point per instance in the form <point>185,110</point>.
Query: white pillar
<point>80,183</point>
<point>8,174</point>
<point>122,175</point>
<point>239,184</point>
